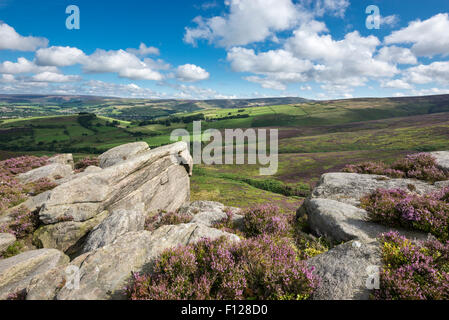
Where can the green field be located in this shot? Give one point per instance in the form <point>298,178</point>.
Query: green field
<point>315,137</point>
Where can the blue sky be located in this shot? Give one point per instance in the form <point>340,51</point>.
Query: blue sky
<point>210,49</point>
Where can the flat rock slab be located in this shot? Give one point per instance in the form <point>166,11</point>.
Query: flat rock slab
<point>6,239</point>
<point>51,171</point>
<point>351,187</point>
<point>345,270</point>
<point>121,153</point>
<point>341,222</point>
<point>16,272</point>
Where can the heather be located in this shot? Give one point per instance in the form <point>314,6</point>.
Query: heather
<point>265,219</point>
<point>23,222</point>
<point>257,268</point>
<point>12,192</point>
<point>82,164</point>
<point>421,166</point>
<point>413,271</point>
<point>166,218</point>
<point>398,208</point>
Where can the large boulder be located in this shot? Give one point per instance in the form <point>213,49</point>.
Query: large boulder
<point>351,187</point>
<point>148,178</point>
<point>209,213</point>
<point>6,239</point>
<point>66,236</point>
<point>442,158</point>
<point>16,272</point>
<point>119,222</point>
<point>338,222</point>
<point>105,272</point>
<point>345,271</point>
<point>52,171</point>
<point>122,153</point>
<point>66,159</point>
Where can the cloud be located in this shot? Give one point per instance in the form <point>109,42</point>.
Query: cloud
<point>311,54</point>
<point>434,72</point>
<point>144,50</point>
<point>125,64</point>
<point>396,84</point>
<point>247,21</point>
<point>321,7</point>
<point>397,55</point>
<point>429,37</point>
<point>23,65</point>
<point>54,77</point>
<point>191,73</point>
<point>59,56</point>
<point>11,40</point>
<point>246,60</point>
<point>390,21</point>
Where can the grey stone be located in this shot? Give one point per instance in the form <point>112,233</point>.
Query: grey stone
<point>66,235</point>
<point>6,239</point>
<point>16,272</point>
<point>51,171</point>
<point>345,270</point>
<point>122,153</point>
<point>350,187</point>
<point>66,159</point>
<point>339,222</point>
<point>442,158</point>
<point>119,222</point>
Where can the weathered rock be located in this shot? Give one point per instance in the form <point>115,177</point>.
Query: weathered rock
<point>119,222</point>
<point>350,187</point>
<point>147,177</point>
<point>51,171</point>
<point>209,212</point>
<point>122,153</point>
<point>105,271</point>
<point>91,169</point>
<point>32,204</point>
<point>66,159</point>
<point>442,158</point>
<point>65,236</point>
<point>345,270</point>
<point>6,239</point>
<point>16,272</point>
<point>339,222</point>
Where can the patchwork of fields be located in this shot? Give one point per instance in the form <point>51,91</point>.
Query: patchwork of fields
<point>315,137</point>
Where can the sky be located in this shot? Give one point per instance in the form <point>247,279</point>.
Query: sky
<point>220,49</point>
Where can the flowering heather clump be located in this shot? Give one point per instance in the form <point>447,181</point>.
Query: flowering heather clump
<point>265,219</point>
<point>421,166</point>
<point>23,164</point>
<point>12,192</point>
<point>413,271</point>
<point>428,213</point>
<point>42,185</point>
<point>373,168</point>
<point>257,268</point>
<point>81,165</point>
<point>227,224</point>
<point>162,219</point>
<point>23,223</point>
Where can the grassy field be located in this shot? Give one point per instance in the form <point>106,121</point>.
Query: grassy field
<point>315,137</point>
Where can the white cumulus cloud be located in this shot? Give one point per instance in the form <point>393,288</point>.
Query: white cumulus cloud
<point>11,40</point>
<point>191,73</point>
<point>59,56</point>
